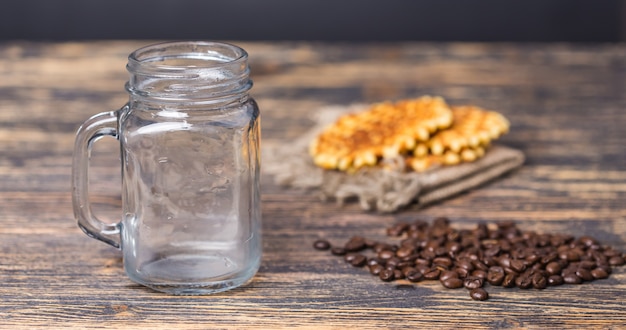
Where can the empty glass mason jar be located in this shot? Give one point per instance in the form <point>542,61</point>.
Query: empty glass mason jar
<point>189,139</point>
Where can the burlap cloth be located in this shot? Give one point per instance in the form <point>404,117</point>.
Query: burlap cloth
<point>375,189</point>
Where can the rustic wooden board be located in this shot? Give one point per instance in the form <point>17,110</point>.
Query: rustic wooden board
<point>567,105</point>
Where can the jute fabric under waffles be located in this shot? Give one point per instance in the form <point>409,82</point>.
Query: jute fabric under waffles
<point>376,189</point>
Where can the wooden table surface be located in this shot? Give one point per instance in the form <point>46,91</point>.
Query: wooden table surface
<point>566,103</point>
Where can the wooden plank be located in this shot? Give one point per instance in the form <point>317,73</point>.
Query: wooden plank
<point>566,104</point>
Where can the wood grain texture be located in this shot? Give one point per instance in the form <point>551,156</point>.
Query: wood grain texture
<point>567,106</point>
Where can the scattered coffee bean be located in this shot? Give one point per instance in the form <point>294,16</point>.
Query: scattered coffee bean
<point>553,268</point>
<point>555,280</point>
<point>338,251</point>
<point>376,269</point>
<point>584,274</point>
<point>523,282</point>
<point>572,278</point>
<point>616,261</point>
<point>432,274</point>
<point>321,244</point>
<point>386,254</point>
<point>358,261</point>
<point>473,282</point>
<point>479,294</point>
<point>386,275</point>
<point>414,276</point>
<point>495,278</point>
<point>355,244</point>
<point>518,265</point>
<point>539,281</point>
<point>463,273</point>
<point>448,274</point>
<point>480,274</point>
<point>452,283</point>
<point>509,280</point>
<point>599,273</point>
<point>501,255</point>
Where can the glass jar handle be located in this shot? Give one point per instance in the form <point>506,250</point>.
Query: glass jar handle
<point>96,127</point>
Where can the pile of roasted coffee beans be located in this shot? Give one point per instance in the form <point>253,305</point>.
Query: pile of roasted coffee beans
<point>499,254</point>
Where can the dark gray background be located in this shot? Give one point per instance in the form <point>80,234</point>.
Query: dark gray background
<point>330,20</point>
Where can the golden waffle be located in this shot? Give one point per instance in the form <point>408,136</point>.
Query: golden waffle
<point>421,164</point>
<point>472,127</point>
<point>386,129</point>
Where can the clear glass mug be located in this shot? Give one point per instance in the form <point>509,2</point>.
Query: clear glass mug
<point>189,139</point>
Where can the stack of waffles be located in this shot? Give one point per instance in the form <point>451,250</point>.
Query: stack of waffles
<point>423,133</point>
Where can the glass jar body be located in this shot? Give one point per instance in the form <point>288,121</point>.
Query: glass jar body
<point>191,213</point>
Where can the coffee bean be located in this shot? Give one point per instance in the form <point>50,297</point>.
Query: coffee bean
<point>453,247</point>
<point>321,244</point>
<point>448,274</point>
<point>452,283</point>
<point>338,251</point>
<point>523,282</point>
<point>355,244</point>
<point>479,273</point>
<point>422,268</point>
<point>473,282</point>
<point>393,262</point>
<point>443,261</point>
<point>495,278</point>
<point>370,243</point>
<point>606,268</point>
<point>552,256</point>
<point>572,278</point>
<point>553,268</point>
<point>376,269</point>
<point>490,261</point>
<point>375,261</point>
<point>466,264</point>
<point>509,280</point>
<point>348,257</point>
<point>492,251</point>
<point>518,265</point>
<point>555,280</point>
<point>496,269</point>
<point>404,252</point>
<point>584,274</point>
<point>479,265</point>
<point>463,273</point>
<point>381,247</point>
<point>479,294</point>
<point>616,260</point>
<point>386,275</point>
<point>432,274</point>
<point>398,229</point>
<point>539,281</point>
<point>609,252</point>
<point>587,264</point>
<point>386,254</point>
<point>588,241</point>
<point>429,255</point>
<point>532,259</point>
<point>359,260</point>
<point>599,273</point>
<point>397,274</point>
<point>570,255</point>
<point>414,276</point>
<point>504,262</point>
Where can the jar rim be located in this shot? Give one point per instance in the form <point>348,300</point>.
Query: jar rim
<point>212,53</point>
<point>190,71</point>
